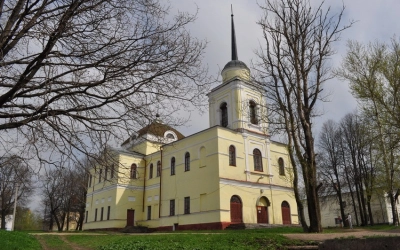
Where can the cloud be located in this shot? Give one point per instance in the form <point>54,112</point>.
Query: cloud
<point>376,20</point>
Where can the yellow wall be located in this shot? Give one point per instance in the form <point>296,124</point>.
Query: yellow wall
<point>210,183</point>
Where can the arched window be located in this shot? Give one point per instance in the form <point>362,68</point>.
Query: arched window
<point>133,171</point>
<point>224,114</point>
<point>232,155</point>
<point>173,166</point>
<point>253,112</point>
<point>281,164</point>
<point>158,168</point>
<point>187,161</point>
<point>151,171</point>
<point>257,160</point>
<point>170,136</point>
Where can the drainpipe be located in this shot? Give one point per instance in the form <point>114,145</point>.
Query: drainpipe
<point>246,156</point>
<point>144,183</point>
<point>159,198</point>
<point>270,179</point>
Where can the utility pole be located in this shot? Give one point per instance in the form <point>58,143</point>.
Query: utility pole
<point>15,206</point>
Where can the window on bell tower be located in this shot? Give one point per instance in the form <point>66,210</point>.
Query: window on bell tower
<point>224,114</point>
<point>253,112</point>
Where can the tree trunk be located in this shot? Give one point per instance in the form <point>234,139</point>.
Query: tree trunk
<point>313,209</point>
<point>54,215</point>
<point>51,223</point>
<point>3,219</point>
<point>300,205</point>
<point>81,218</point>
<point>68,219</point>
<point>339,194</point>
<point>352,198</point>
<point>371,217</point>
<point>393,204</point>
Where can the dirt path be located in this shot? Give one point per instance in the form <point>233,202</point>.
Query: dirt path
<point>42,242</point>
<point>353,233</point>
<point>72,245</point>
<point>63,237</point>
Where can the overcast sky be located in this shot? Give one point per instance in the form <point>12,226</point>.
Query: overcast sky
<point>375,21</point>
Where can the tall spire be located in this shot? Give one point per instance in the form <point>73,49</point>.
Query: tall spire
<point>234,49</point>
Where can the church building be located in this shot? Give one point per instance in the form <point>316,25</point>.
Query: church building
<point>229,173</point>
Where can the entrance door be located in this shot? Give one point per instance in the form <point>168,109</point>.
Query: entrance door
<point>262,214</point>
<point>286,213</point>
<point>236,210</point>
<point>130,217</point>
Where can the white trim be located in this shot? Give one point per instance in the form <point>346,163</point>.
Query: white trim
<point>154,186</point>
<point>170,132</point>
<point>115,186</point>
<point>252,185</point>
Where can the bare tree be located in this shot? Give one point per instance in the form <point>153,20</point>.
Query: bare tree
<point>75,73</point>
<point>348,159</point>
<point>80,175</point>
<point>330,161</point>
<point>55,193</point>
<point>13,173</point>
<point>292,68</point>
<point>64,194</point>
<point>351,129</point>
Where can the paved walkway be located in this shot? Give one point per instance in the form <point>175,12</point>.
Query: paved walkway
<point>354,233</point>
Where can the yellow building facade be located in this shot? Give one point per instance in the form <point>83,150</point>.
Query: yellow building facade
<point>230,173</point>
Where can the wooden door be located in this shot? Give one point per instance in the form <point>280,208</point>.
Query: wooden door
<point>262,214</point>
<point>236,210</point>
<point>286,213</point>
<point>130,218</point>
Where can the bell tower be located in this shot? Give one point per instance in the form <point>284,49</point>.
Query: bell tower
<point>237,103</point>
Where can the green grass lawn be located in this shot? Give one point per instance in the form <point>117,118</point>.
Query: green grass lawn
<point>236,239</point>
<point>270,238</point>
<point>18,241</point>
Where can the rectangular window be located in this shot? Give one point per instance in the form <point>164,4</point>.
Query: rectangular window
<point>173,166</point>
<point>101,214</point>
<point>148,212</point>
<point>100,174</point>
<point>232,155</point>
<point>187,205</point>
<point>108,212</point>
<point>171,207</point>
<point>90,180</point>
<point>95,214</point>
<point>86,216</point>
<point>158,168</point>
